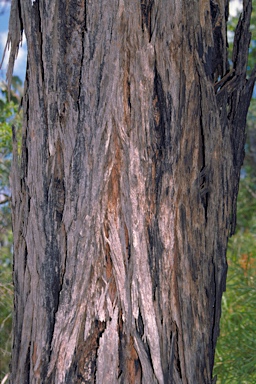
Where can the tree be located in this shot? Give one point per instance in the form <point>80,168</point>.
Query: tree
<point>125,193</point>
<point>234,358</point>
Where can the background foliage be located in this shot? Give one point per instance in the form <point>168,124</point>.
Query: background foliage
<point>8,116</point>
<point>235,360</point>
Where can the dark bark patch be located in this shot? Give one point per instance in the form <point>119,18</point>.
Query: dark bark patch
<point>194,267</point>
<point>26,368</point>
<point>183,220</point>
<point>217,61</point>
<point>83,368</point>
<point>58,183</point>
<point>175,363</point>
<point>77,164</point>
<point>127,95</point>
<point>146,6</point>
<point>160,129</point>
<point>130,370</point>
<point>127,242</point>
<point>154,257</point>
<point>140,325</point>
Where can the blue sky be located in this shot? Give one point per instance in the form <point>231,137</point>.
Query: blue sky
<point>20,64</point>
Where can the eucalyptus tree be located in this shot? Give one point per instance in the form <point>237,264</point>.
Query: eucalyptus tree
<point>125,193</point>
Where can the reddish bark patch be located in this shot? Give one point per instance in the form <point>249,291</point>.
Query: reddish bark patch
<point>86,353</point>
<point>133,363</point>
<point>114,180</point>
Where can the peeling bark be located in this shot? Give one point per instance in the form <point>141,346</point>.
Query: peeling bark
<point>125,194</point>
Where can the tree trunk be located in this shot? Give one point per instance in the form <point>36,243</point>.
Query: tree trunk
<point>125,194</point>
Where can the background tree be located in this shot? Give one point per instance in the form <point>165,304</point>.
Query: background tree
<point>125,194</point>
<point>235,358</point>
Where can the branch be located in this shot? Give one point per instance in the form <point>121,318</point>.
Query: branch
<point>6,199</point>
<point>250,191</point>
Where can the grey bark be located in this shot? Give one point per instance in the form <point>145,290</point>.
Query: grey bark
<point>125,193</point>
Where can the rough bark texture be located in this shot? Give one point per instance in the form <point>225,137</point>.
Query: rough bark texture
<point>125,194</point>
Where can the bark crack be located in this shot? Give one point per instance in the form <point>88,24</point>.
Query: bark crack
<point>204,171</point>
<point>40,43</point>
<point>80,82</point>
<point>146,9</point>
<point>175,351</point>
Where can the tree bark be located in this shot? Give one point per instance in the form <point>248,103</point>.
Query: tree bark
<point>125,194</point>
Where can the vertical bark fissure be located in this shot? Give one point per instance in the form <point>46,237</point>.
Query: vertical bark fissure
<point>37,12</point>
<point>84,31</point>
<point>203,167</point>
<point>146,8</point>
<point>85,16</point>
